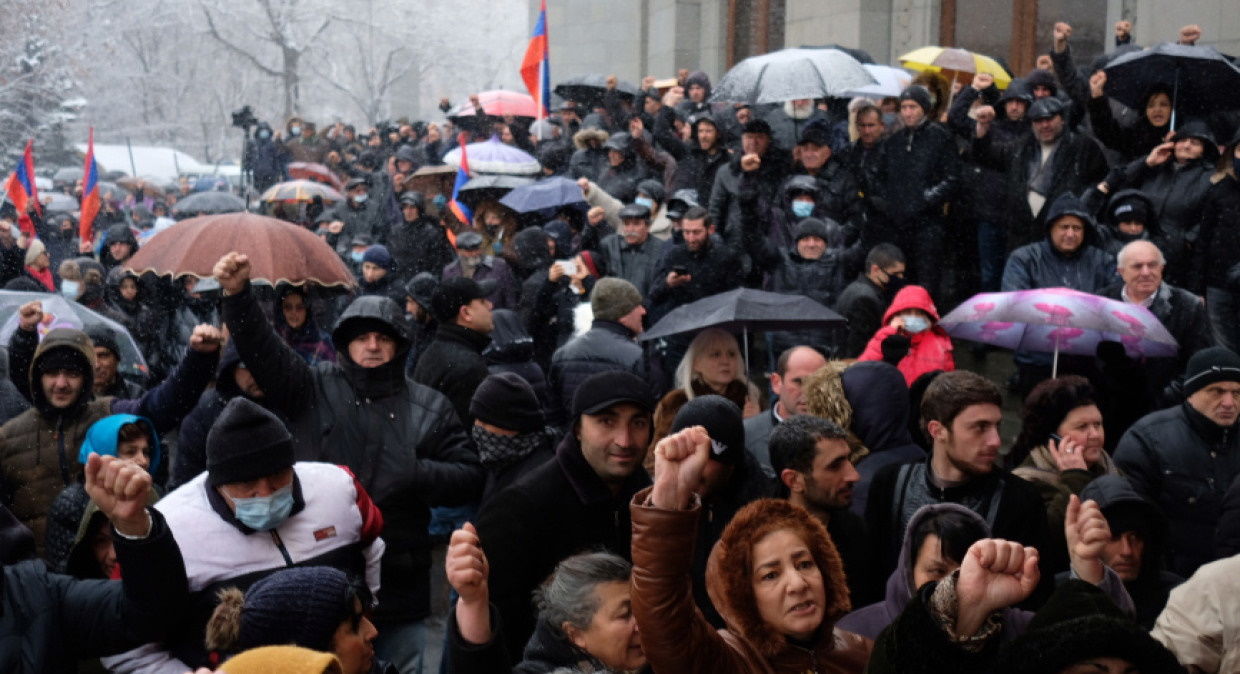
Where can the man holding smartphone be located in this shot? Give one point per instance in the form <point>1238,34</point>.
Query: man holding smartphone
<point>703,265</point>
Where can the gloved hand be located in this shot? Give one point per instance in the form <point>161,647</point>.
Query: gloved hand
<point>895,348</point>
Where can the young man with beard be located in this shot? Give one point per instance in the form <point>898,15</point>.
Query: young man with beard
<point>960,413</point>
<point>811,459</point>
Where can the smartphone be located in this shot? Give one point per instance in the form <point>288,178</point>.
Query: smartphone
<point>680,270</point>
<point>1058,440</point>
<point>568,266</point>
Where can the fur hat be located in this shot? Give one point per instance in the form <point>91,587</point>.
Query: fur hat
<point>729,570</point>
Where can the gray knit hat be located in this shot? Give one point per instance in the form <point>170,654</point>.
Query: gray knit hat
<point>613,297</point>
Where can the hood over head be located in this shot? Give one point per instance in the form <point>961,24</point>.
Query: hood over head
<point>1196,128</point>
<point>1070,204</point>
<point>581,139</point>
<point>1042,78</point>
<point>510,341</point>
<point>879,398</point>
<point>562,233</point>
<point>1134,204</point>
<point>367,313</point>
<point>63,347</point>
<point>800,184</point>
<point>900,585</point>
<point>121,233</point>
<point>101,438</point>
<point>700,78</point>
<point>531,247</point>
<point>730,565</point>
<point>911,297</point>
<point>1126,510</point>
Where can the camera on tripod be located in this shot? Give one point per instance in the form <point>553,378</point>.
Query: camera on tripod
<point>244,119</point>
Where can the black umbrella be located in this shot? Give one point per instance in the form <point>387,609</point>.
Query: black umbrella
<point>1201,79</point>
<point>746,309</point>
<point>589,89</point>
<point>208,203</point>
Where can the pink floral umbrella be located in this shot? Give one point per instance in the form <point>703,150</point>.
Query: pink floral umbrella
<point>1059,320</point>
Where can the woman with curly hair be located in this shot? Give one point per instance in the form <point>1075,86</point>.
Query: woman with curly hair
<point>775,577</point>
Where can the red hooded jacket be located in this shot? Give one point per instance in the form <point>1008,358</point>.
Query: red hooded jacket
<point>930,350</point>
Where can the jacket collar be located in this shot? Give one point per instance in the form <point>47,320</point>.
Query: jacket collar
<point>474,340</point>
<point>587,485</point>
<point>613,327</point>
<point>1208,430</point>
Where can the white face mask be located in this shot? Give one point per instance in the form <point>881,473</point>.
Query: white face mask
<point>70,289</point>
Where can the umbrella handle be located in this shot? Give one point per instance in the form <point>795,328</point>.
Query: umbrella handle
<point>1175,94</point>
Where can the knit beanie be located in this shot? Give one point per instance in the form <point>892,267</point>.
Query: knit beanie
<point>102,336</point>
<point>508,401</point>
<point>62,358</point>
<point>919,95</point>
<point>378,254</point>
<point>246,442</point>
<point>35,250</point>
<point>613,298</point>
<point>723,423</point>
<point>282,660</point>
<point>300,605</point>
<point>811,227</point>
<point>1210,366</point>
<point>1133,209</point>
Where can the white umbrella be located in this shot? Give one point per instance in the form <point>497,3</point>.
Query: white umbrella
<point>890,82</point>
<point>792,74</point>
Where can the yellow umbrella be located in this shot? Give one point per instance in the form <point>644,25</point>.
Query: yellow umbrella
<point>953,62</point>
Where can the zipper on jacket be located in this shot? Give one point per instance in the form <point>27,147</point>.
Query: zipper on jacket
<point>275,536</point>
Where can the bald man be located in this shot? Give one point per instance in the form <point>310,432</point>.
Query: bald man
<point>1141,265</point>
<point>793,365</point>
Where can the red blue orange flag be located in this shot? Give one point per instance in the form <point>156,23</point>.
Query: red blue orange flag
<point>459,209</point>
<point>22,191</point>
<point>90,191</point>
<point>536,66</point>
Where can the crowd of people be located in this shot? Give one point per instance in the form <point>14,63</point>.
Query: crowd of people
<point>269,494</point>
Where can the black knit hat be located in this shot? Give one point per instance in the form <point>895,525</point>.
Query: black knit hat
<point>919,95</point>
<point>1210,366</point>
<point>102,336</point>
<point>301,605</point>
<point>606,389</point>
<point>508,401</point>
<point>723,423</point>
<point>246,442</point>
<point>62,358</point>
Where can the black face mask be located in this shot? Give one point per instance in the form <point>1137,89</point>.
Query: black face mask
<point>894,284</point>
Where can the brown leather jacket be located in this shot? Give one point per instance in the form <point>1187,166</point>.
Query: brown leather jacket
<point>677,638</point>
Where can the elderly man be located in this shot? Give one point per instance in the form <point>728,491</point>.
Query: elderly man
<point>253,512</point>
<point>577,501</point>
<point>1141,265</point>
<point>632,253</point>
<point>793,366</point>
<point>472,262</point>
<point>39,447</point>
<point>1184,458</point>
<point>402,439</point>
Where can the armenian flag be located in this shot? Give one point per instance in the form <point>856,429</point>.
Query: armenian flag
<point>459,209</point>
<point>22,191</point>
<point>90,191</point>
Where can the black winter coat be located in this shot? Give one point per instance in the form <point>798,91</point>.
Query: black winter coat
<point>454,366</point>
<point>607,346</point>
<point>1179,196</point>
<point>48,621</point>
<point>1218,241</point>
<point>636,264</point>
<point>419,246</point>
<point>724,204</point>
<point>402,440</point>
<point>918,174</point>
<point>697,169</point>
<point>1184,463</point>
<point>862,304</point>
<point>1184,316</point>
<point>559,509</point>
<point>1077,163</point>
<point>715,268</point>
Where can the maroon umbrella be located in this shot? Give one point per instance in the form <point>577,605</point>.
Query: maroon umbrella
<point>279,252</point>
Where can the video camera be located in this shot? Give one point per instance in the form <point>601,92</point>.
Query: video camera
<point>244,118</point>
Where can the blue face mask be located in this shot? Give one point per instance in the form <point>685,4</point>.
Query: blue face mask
<point>357,255</point>
<point>264,513</point>
<point>645,201</point>
<point>69,289</point>
<point>360,198</point>
<point>294,130</point>
<point>497,246</point>
<point>916,324</point>
<point>440,200</point>
<point>264,134</point>
<point>802,209</point>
